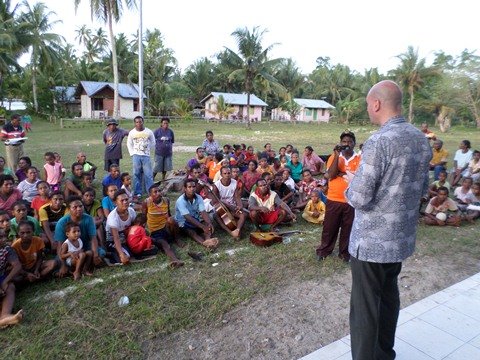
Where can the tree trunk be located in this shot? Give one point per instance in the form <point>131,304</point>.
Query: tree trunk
<point>34,87</point>
<point>410,106</point>
<point>116,104</point>
<point>443,119</point>
<point>248,110</point>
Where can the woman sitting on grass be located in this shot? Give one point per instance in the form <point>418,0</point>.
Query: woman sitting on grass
<point>10,267</point>
<point>442,210</point>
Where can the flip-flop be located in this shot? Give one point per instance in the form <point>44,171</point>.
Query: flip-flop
<point>197,256</point>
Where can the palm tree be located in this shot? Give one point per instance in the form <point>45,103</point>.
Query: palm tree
<point>293,109</point>
<point>251,61</point>
<point>411,74</point>
<point>223,110</point>
<point>11,46</point>
<point>109,11</point>
<point>199,78</point>
<point>289,75</point>
<point>45,46</point>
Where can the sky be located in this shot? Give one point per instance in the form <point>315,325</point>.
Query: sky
<point>360,34</point>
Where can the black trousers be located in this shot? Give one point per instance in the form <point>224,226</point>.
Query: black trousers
<point>374,308</point>
<point>338,218</point>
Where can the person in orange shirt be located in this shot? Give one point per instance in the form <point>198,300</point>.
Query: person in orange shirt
<point>29,249</point>
<point>341,165</point>
<point>215,166</point>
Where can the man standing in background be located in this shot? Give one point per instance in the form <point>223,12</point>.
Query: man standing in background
<point>112,138</point>
<point>386,193</point>
<point>13,147</point>
<point>164,138</point>
<point>139,143</point>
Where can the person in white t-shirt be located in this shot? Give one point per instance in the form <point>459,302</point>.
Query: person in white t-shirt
<point>118,221</point>
<point>140,142</point>
<point>460,162</point>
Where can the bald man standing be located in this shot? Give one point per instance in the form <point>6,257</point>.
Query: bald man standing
<point>385,192</point>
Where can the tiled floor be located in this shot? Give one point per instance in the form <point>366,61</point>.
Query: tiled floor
<point>445,325</point>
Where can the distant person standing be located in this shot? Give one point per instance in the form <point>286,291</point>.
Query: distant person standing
<point>164,138</point>
<point>112,138</point>
<point>13,148</point>
<point>385,192</point>
<point>139,143</point>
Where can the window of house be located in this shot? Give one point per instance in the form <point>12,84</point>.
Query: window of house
<point>251,110</point>
<point>323,112</point>
<point>308,112</point>
<point>135,104</point>
<point>97,104</point>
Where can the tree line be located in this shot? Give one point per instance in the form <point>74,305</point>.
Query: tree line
<point>444,92</point>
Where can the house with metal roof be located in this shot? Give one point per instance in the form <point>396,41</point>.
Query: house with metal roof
<point>311,110</point>
<point>96,99</point>
<point>239,104</point>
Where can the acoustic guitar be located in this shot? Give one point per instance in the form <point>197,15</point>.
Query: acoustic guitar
<point>263,239</point>
<point>220,209</point>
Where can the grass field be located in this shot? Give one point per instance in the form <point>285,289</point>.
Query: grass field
<point>83,320</point>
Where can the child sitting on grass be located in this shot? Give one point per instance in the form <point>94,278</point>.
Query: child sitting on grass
<point>163,228</point>
<point>20,213</point>
<point>73,254</point>
<point>10,267</point>
<point>473,208</point>
<point>463,193</point>
<point>442,210</point>
<point>442,181</point>
<point>5,226</point>
<point>29,249</point>
<point>139,243</point>
<point>315,209</point>
<point>107,202</point>
<point>42,198</point>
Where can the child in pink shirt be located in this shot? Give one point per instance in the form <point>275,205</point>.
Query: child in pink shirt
<point>53,171</point>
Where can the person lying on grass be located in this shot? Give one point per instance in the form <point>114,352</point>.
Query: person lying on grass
<point>29,249</point>
<point>192,218</point>
<point>10,267</point>
<point>162,226</point>
<point>73,254</point>
<point>442,210</point>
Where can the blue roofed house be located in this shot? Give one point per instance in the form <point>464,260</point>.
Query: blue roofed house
<point>310,111</point>
<point>238,102</point>
<point>96,99</point>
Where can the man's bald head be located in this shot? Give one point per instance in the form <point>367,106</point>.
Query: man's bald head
<point>385,101</point>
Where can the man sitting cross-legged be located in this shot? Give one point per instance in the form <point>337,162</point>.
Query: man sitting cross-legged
<point>228,193</point>
<point>191,216</point>
<point>266,207</point>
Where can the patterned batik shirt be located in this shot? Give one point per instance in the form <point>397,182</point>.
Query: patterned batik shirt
<point>386,192</point>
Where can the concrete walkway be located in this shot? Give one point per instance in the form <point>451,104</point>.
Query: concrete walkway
<point>445,325</point>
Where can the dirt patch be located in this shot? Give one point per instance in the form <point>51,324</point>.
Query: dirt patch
<point>302,317</point>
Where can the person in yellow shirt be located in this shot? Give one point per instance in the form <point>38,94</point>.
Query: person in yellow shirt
<point>315,209</point>
<point>439,158</point>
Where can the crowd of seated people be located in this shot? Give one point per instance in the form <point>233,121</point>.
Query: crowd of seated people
<point>52,224</point>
